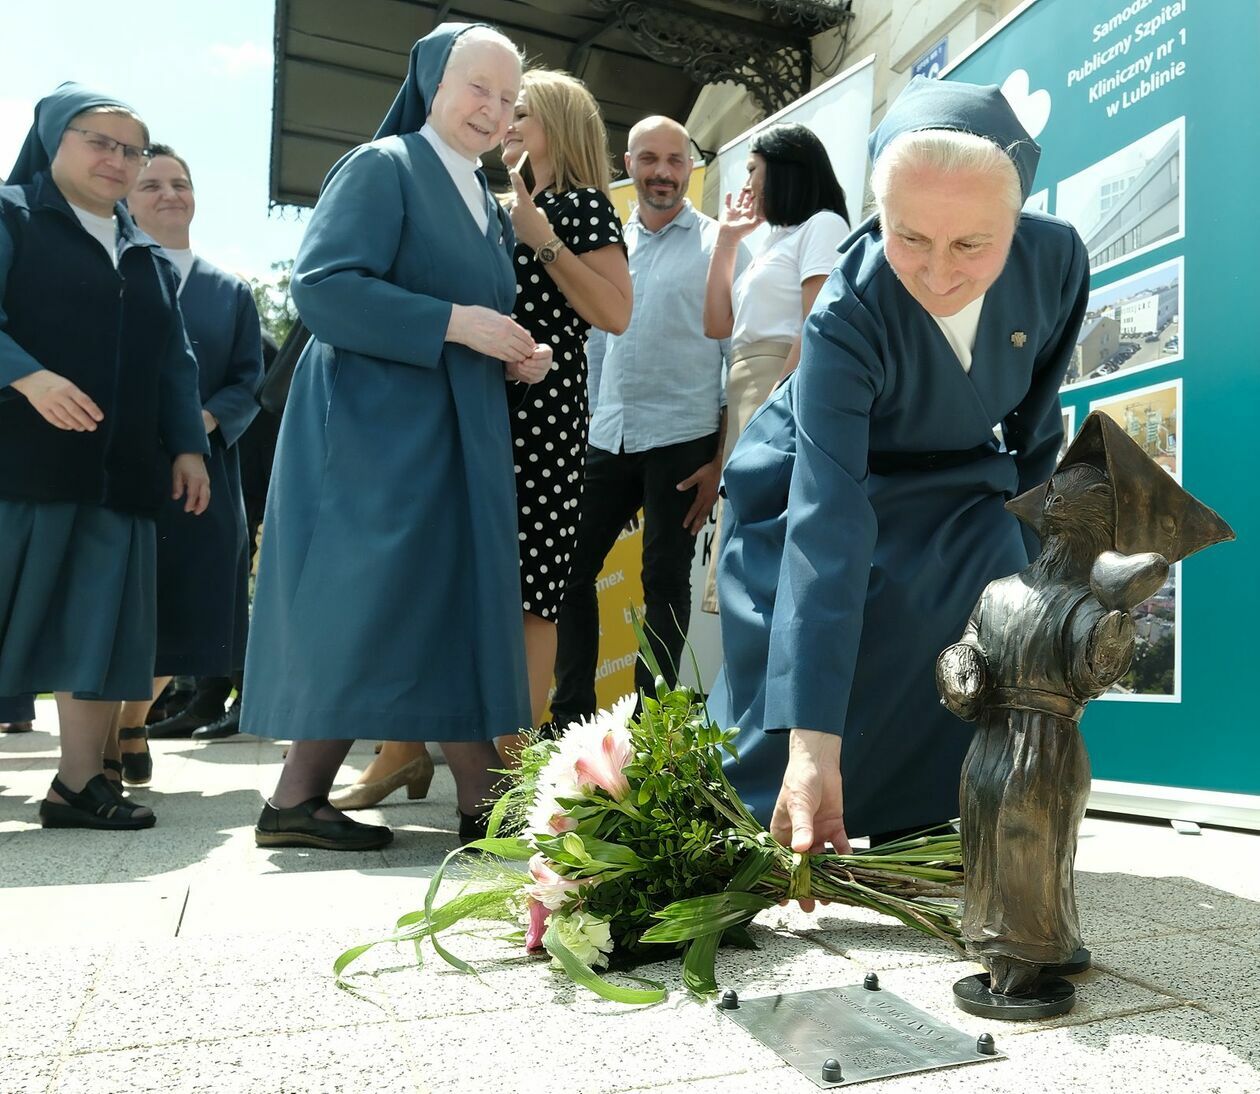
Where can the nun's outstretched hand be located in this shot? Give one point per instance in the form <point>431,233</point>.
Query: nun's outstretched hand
<point>487,331</point>
<point>809,813</point>
<point>533,368</point>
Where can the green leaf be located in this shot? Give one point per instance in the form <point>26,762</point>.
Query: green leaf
<point>645,648</point>
<point>699,975</point>
<point>506,847</point>
<point>685,919</point>
<point>351,955</point>
<point>758,863</point>
<point>583,975</point>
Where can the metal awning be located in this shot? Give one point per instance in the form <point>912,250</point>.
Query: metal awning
<point>340,62</point>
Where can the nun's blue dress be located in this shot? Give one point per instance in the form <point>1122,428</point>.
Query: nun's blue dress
<point>387,604</point>
<point>203,561</point>
<point>77,510</point>
<point>867,502</point>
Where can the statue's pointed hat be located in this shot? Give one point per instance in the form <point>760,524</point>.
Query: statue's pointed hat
<point>1153,513</point>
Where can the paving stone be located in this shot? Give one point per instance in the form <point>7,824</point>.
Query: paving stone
<point>1099,995</point>
<point>27,1074</point>
<point>551,1049</point>
<point>45,989</point>
<point>1194,968</point>
<point>174,1009</point>
<point>1181,1049</point>
<point>779,1080</point>
<point>353,1060</point>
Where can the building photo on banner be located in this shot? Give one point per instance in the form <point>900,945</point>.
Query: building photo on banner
<point>1128,102</point>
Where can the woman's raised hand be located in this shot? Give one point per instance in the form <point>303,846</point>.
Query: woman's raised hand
<point>191,481</point>
<point>61,402</point>
<point>533,369</point>
<point>488,332</point>
<point>528,221</point>
<point>740,217</point>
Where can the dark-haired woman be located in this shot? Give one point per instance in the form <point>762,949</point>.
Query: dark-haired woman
<point>792,187</point>
<point>99,424</point>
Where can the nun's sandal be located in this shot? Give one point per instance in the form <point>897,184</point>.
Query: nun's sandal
<point>97,805</point>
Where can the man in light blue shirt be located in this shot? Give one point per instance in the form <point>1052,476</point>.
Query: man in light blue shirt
<point>657,416</point>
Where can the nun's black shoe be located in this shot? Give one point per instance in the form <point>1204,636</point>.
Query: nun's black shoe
<point>183,723</point>
<point>97,805</point>
<point>16,727</point>
<point>137,767</point>
<point>298,826</point>
<point>474,826</point>
<point>227,726</point>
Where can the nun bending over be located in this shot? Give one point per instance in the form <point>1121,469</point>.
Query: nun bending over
<point>100,424</point>
<point>866,498</point>
<point>388,597</point>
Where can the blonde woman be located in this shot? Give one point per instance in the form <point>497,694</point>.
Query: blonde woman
<point>571,274</point>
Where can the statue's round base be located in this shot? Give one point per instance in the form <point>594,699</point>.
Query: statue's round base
<point>1051,996</point>
<point>1079,962</point>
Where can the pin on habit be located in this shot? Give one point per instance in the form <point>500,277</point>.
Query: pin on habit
<point>1018,338</point>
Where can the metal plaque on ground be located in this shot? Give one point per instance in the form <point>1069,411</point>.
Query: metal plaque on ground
<point>841,1036</point>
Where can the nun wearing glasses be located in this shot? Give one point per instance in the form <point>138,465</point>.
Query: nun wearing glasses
<point>100,423</point>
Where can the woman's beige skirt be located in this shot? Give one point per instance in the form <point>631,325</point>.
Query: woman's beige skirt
<point>754,369</point>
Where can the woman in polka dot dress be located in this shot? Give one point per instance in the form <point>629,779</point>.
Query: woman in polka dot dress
<point>571,274</point>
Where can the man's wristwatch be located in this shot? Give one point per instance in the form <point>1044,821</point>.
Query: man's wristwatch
<point>549,251</point>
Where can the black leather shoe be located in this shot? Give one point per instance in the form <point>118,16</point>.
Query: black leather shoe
<point>473,826</point>
<point>227,726</point>
<point>299,827</point>
<point>183,723</point>
<point>175,697</point>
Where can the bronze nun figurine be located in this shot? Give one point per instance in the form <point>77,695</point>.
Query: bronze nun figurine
<point>1039,645</point>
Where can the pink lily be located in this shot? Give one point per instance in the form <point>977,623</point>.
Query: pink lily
<point>538,914</point>
<point>605,767</point>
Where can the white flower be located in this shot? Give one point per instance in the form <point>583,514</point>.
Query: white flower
<point>588,936</point>
<point>591,753</point>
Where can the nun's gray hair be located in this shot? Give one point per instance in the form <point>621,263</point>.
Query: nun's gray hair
<point>947,150</point>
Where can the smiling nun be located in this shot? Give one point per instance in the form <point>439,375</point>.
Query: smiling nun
<point>868,494</point>
<point>388,597</point>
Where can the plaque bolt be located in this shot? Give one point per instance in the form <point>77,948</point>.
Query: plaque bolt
<point>985,1045</point>
<point>871,983</point>
<point>831,1071</point>
<point>730,1000</point>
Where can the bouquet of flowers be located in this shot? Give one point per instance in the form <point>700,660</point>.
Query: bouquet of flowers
<point>635,841</point>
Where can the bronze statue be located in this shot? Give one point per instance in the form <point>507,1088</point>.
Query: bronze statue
<point>1039,645</point>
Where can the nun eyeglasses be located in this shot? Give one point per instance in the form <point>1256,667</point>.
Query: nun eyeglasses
<point>99,142</point>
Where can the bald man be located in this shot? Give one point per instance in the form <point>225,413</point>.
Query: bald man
<point>657,416</point>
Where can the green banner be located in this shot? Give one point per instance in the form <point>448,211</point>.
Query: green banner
<point>1145,112</point>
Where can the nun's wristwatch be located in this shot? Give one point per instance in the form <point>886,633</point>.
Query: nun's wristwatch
<point>549,251</point>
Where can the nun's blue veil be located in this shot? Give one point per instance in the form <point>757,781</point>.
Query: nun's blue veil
<point>52,114</point>
<point>968,108</point>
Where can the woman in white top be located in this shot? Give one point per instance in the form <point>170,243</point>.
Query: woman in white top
<point>792,187</point>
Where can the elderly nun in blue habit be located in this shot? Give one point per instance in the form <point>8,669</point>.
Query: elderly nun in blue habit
<point>868,493</point>
<point>388,601</point>
<point>99,424</point>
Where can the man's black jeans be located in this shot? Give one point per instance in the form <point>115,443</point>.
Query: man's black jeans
<point>616,486</point>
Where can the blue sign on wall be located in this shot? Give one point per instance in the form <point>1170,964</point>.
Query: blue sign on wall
<point>931,63</point>
<point>1148,149</point>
